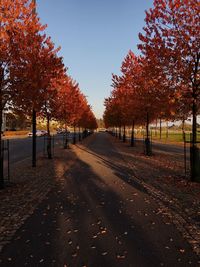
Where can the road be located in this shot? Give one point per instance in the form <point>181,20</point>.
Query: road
<point>21,148</point>
<point>176,150</point>
<point>98,218</point>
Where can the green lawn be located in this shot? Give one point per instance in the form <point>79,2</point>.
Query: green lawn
<point>173,136</point>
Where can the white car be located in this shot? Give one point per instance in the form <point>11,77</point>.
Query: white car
<point>38,133</point>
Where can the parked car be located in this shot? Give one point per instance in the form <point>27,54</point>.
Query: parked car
<point>44,132</point>
<point>61,131</point>
<point>38,133</point>
<point>102,130</point>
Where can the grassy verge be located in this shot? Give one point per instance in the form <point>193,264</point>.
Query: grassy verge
<point>15,133</point>
<point>174,137</point>
<point>171,137</point>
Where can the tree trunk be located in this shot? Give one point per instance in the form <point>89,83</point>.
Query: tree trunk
<point>156,127</point>
<point>160,128</point>
<point>147,139</point>
<point>183,129</point>
<point>147,125</point>
<point>74,137</point>
<point>65,137</point>
<point>167,132</point>
<point>132,134</point>
<point>194,151</point>
<point>124,134</point>
<point>79,133</point>
<point>48,139</point>
<point>1,153</point>
<point>120,135</point>
<point>194,122</point>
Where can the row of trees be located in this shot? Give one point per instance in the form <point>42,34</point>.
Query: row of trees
<point>164,80</point>
<point>33,78</point>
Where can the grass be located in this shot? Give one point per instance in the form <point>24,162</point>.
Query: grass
<point>15,133</point>
<point>173,136</point>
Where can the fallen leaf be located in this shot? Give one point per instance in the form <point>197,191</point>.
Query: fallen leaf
<point>74,255</point>
<point>120,256</point>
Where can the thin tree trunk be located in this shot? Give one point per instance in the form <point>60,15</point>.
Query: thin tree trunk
<point>66,145</point>
<point>183,129</point>
<point>120,135</point>
<point>1,152</point>
<point>156,127</point>
<point>194,149</point>
<point>194,122</point>
<point>132,134</point>
<point>124,134</point>
<point>147,139</point>
<point>79,133</point>
<point>48,138</point>
<point>74,137</point>
<point>167,132</point>
<point>160,128</point>
<point>147,125</point>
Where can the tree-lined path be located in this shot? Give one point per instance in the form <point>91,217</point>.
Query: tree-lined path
<point>96,217</point>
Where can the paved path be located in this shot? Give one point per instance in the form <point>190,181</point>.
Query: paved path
<point>97,218</point>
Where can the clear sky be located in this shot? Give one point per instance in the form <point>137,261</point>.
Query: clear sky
<point>95,36</point>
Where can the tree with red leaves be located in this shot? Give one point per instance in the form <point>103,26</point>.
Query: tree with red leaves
<point>19,30</point>
<point>171,43</point>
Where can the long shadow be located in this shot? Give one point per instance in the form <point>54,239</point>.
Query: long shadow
<point>85,221</point>
<point>68,216</point>
<point>127,174</point>
<point>121,169</point>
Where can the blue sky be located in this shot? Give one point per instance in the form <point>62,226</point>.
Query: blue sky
<point>95,36</point>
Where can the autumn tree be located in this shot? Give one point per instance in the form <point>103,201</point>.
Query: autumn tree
<point>140,94</point>
<point>88,120</point>
<point>17,26</point>
<point>171,43</point>
<point>130,70</point>
<point>53,70</point>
